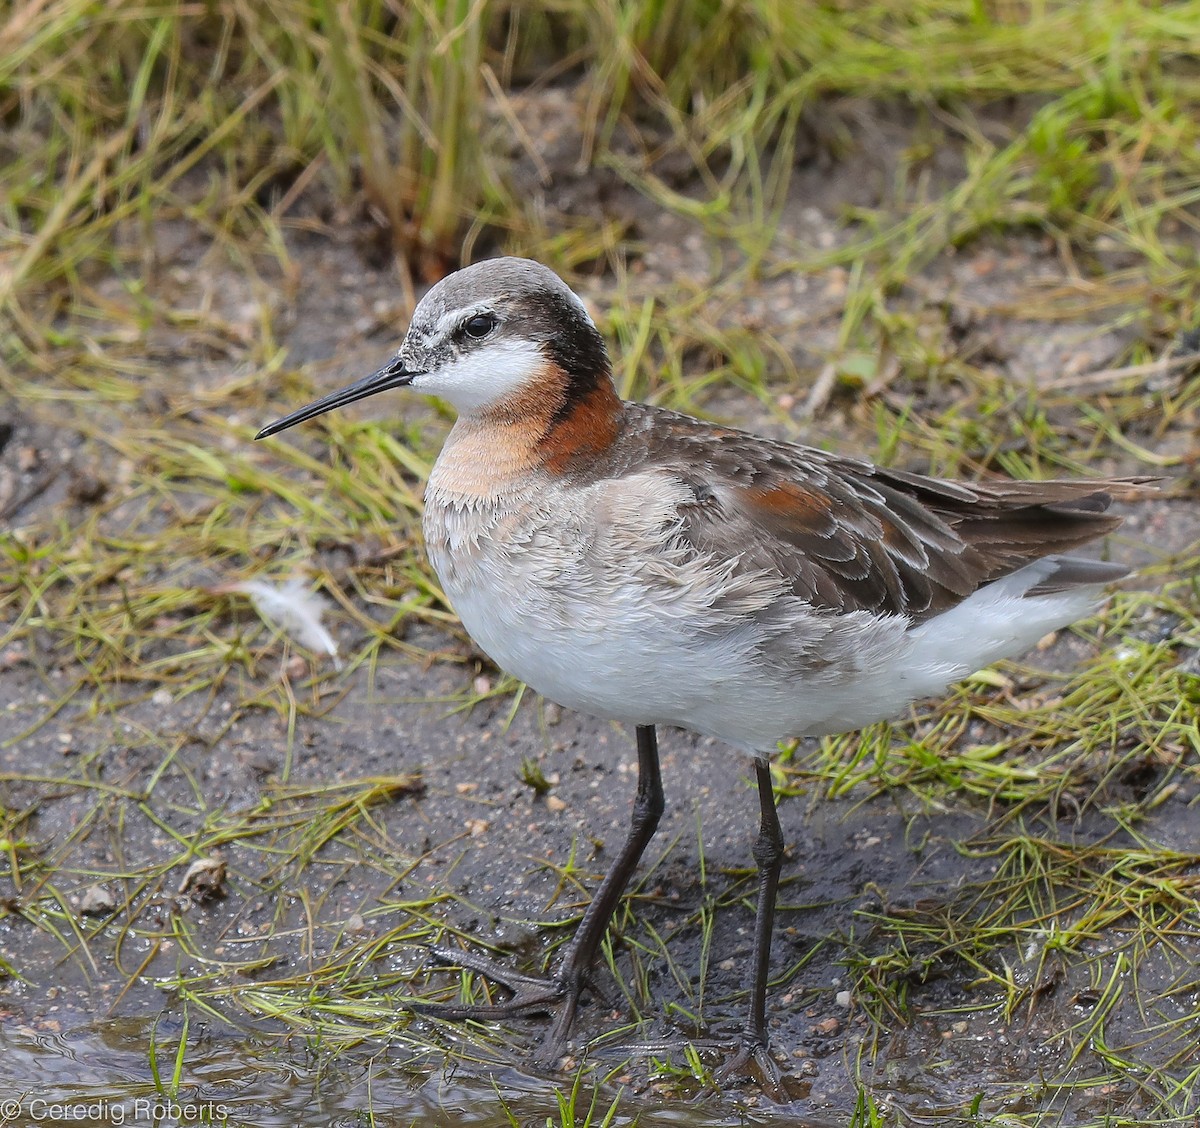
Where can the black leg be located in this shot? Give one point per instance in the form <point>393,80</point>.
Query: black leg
<point>648,807</point>
<point>560,995</point>
<point>768,856</point>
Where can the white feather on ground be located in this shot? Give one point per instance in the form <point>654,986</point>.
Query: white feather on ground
<point>294,610</point>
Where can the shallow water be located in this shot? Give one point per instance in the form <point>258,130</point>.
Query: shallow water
<point>102,1073</point>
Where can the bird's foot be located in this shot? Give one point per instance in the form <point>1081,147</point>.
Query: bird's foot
<point>558,996</point>
<point>752,1061</point>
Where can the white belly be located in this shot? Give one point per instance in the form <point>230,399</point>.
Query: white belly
<point>589,609</point>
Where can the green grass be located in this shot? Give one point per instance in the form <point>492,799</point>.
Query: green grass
<point>169,170</point>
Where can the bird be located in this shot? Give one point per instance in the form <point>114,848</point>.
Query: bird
<point>654,569</point>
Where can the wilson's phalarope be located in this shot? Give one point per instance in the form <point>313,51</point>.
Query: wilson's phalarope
<point>646,567</point>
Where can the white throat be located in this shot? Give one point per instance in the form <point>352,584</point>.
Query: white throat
<point>484,377</point>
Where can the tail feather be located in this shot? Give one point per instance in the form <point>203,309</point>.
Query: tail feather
<point>1077,571</point>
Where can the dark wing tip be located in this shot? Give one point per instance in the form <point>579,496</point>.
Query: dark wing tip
<point>1078,571</point>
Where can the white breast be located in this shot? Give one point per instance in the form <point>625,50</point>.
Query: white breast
<point>547,583</point>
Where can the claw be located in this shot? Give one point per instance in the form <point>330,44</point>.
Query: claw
<point>558,996</point>
<point>516,982</point>
<point>753,1062</point>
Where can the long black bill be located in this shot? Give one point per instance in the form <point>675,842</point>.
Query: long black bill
<point>391,375</point>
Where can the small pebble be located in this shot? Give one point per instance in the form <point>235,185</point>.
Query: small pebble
<point>97,901</point>
<point>13,656</point>
<point>204,879</point>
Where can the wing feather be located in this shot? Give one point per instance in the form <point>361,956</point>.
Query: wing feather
<point>845,535</point>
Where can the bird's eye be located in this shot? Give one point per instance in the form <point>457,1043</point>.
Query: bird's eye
<point>480,325</point>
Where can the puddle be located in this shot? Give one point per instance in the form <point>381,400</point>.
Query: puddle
<point>102,1074</point>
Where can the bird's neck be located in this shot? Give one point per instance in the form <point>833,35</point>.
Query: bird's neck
<point>550,429</point>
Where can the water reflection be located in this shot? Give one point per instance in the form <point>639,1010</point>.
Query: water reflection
<point>104,1073</point>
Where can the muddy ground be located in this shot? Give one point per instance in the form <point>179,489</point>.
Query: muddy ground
<point>455,830</point>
